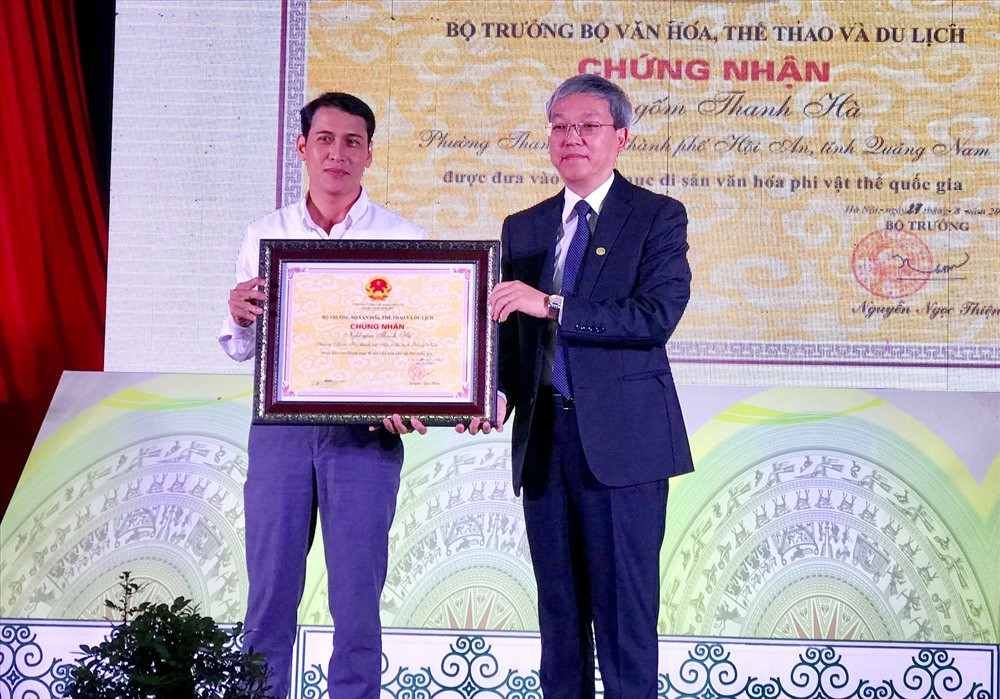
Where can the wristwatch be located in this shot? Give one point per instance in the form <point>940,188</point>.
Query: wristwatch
<point>554,304</point>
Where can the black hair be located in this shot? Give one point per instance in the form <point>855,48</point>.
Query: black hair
<point>342,101</point>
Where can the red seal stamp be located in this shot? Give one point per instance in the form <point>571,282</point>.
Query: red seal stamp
<point>417,373</point>
<point>892,264</point>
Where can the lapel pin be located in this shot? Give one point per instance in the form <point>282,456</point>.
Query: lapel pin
<point>600,251</point>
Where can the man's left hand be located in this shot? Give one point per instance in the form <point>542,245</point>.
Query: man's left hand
<point>476,425</point>
<point>397,425</point>
<point>517,296</point>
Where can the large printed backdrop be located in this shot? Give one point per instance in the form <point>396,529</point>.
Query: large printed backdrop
<point>838,159</point>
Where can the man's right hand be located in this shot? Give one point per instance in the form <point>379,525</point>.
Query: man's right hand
<point>242,301</point>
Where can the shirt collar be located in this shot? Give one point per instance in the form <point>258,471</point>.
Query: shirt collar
<point>595,199</point>
<point>354,214</point>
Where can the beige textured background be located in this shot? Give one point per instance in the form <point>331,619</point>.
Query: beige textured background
<point>197,152</point>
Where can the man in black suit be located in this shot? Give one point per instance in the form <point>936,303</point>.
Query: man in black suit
<point>595,281</point>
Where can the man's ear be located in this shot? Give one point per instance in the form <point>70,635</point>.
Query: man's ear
<point>622,138</point>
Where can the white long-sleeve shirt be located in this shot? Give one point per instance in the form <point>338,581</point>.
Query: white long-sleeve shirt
<point>365,220</point>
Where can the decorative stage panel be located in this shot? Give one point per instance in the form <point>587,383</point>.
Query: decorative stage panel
<point>816,516</point>
<point>835,514</point>
<point>812,513</point>
<point>35,657</point>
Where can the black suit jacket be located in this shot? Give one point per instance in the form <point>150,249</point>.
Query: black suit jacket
<point>633,287</point>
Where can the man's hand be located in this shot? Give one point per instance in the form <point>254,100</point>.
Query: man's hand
<point>517,296</point>
<point>476,425</point>
<point>397,425</point>
<point>242,306</point>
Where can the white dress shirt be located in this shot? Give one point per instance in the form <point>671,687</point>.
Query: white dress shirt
<point>595,199</point>
<point>365,220</point>
<point>569,216</point>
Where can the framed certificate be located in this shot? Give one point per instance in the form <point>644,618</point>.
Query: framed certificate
<point>354,331</point>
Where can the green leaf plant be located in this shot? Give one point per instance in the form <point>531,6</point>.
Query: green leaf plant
<point>166,651</point>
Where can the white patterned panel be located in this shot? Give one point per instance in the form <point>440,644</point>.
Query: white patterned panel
<point>34,654</point>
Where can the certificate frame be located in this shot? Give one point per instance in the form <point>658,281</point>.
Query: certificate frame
<point>472,265</point>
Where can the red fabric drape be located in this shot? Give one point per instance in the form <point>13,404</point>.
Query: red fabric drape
<point>53,231</point>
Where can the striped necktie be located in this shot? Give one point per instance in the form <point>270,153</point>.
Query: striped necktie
<point>571,272</point>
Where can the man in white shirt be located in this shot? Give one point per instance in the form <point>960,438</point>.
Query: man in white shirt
<point>347,474</point>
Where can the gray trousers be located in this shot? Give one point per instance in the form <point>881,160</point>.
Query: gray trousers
<point>349,477</point>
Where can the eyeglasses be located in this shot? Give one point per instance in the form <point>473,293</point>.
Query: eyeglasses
<point>583,129</point>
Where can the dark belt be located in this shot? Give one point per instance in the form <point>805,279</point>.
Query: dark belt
<point>561,402</point>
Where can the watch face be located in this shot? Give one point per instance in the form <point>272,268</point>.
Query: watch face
<point>554,305</point>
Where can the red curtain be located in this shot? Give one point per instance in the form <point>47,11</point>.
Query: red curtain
<point>53,231</point>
